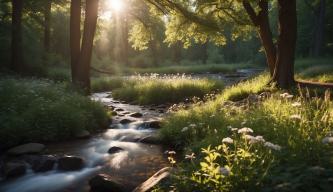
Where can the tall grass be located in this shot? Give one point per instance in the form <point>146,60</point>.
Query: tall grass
<point>156,89</point>
<point>297,124</point>
<point>33,110</point>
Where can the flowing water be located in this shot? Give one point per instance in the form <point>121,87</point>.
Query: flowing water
<point>130,167</point>
<point>137,162</point>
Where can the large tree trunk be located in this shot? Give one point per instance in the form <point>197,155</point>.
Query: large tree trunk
<point>47,26</point>
<point>284,67</point>
<point>87,44</point>
<point>261,20</point>
<point>75,38</point>
<point>17,64</point>
<point>319,30</point>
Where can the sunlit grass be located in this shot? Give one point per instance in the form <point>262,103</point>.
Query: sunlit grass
<point>156,89</point>
<point>297,124</point>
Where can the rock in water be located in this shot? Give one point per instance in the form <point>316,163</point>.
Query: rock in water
<point>113,150</point>
<point>28,148</point>
<point>125,121</point>
<point>41,163</point>
<point>83,134</point>
<point>153,124</point>
<point>153,180</point>
<point>104,183</point>
<point>14,169</point>
<point>70,163</point>
<point>136,115</point>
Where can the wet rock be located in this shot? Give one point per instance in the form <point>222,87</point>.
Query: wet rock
<point>125,121</point>
<point>154,180</point>
<point>161,111</point>
<point>119,109</point>
<point>82,134</point>
<point>115,149</point>
<point>28,148</point>
<point>125,113</point>
<point>14,169</point>
<point>41,163</point>
<point>104,183</point>
<point>70,163</point>
<point>153,124</point>
<point>136,115</point>
<point>151,139</point>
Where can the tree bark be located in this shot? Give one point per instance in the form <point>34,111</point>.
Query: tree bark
<point>87,44</point>
<point>261,21</point>
<point>47,25</point>
<point>17,62</point>
<point>75,38</point>
<point>284,67</point>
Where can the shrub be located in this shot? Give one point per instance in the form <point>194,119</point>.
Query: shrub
<point>39,110</point>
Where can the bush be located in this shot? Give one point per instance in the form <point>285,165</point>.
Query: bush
<point>39,110</point>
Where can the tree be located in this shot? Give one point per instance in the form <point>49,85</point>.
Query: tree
<point>17,62</point>
<point>81,55</point>
<point>203,20</point>
<point>47,25</point>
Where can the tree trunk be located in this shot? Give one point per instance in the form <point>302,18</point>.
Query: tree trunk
<point>261,20</point>
<point>204,53</point>
<point>154,52</point>
<point>75,37</point>
<point>17,64</point>
<point>284,67</point>
<point>87,44</point>
<point>319,31</point>
<point>177,52</point>
<point>47,26</point>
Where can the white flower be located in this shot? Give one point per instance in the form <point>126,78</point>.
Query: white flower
<point>260,138</point>
<point>227,140</point>
<point>224,171</point>
<point>171,152</point>
<point>245,130</point>
<point>272,146</point>
<point>229,127</point>
<point>212,116</point>
<point>296,117</point>
<point>253,139</point>
<point>192,125</point>
<point>184,129</point>
<point>243,123</point>
<point>215,131</point>
<point>286,95</point>
<point>191,156</point>
<point>296,104</point>
<point>234,129</point>
<point>327,140</point>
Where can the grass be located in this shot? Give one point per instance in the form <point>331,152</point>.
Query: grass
<point>157,89</point>
<point>35,110</point>
<point>319,70</point>
<point>296,123</point>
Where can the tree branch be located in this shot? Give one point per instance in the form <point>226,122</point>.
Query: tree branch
<point>250,11</point>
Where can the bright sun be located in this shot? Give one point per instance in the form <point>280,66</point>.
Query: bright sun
<point>116,5</point>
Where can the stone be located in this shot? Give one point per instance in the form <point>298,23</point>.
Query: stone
<point>154,180</point>
<point>153,124</point>
<point>28,148</point>
<point>136,115</point>
<point>125,121</point>
<point>70,163</point>
<point>104,183</point>
<point>41,163</point>
<point>119,109</point>
<point>151,139</point>
<point>14,169</point>
<point>115,149</point>
<point>82,134</point>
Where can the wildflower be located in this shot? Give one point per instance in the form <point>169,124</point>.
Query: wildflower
<point>191,156</point>
<point>224,171</point>
<point>171,152</point>
<point>260,138</point>
<point>317,169</point>
<point>243,123</point>
<point>272,146</point>
<point>253,139</point>
<point>192,125</point>
<point>215,131</point>
<point>296,117</point>
<point>184,129</point>
<point>229,127</point>
<point>245,130</point>
<point>212,116</point>
<point>227,140</point>
<point>296,104</point>
<point>327,140</point>
<point>286,95</point>
<point>234,129</point>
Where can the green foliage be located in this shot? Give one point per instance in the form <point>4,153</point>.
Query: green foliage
<point>38,110</point>
<point>296,123</point>
<point>157,89</point>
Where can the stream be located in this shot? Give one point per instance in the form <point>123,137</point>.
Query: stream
<point>140,158</point>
